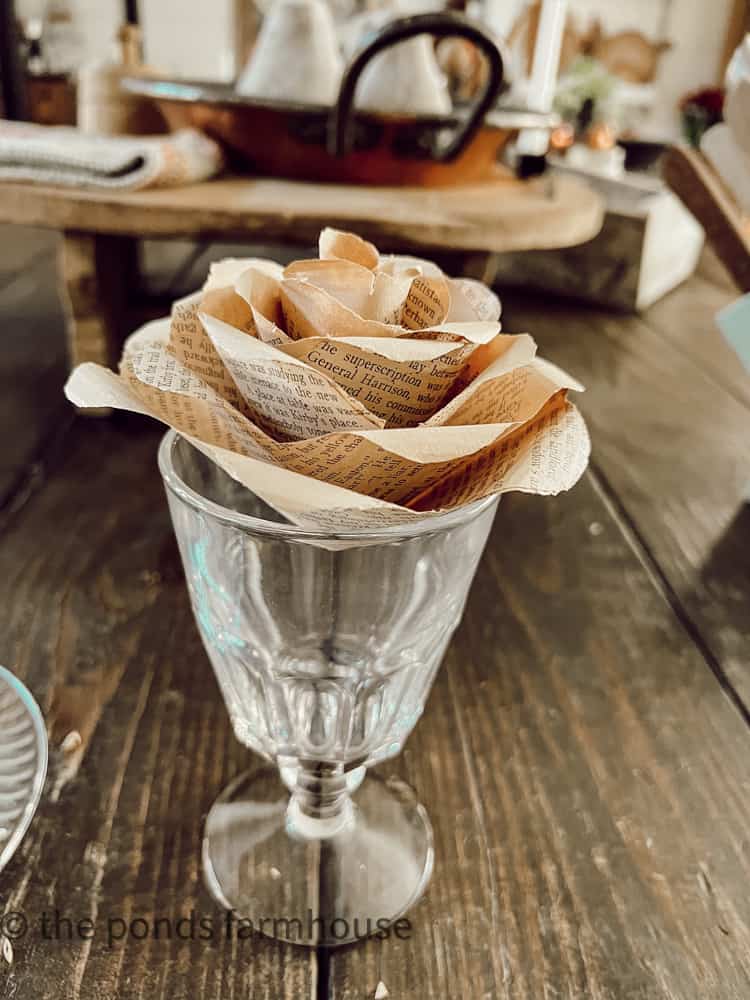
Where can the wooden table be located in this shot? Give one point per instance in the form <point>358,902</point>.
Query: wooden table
<point>584,753</point>
<point>98,256</point>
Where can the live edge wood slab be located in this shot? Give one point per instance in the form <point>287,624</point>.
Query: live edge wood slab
<point>100,229</point>
<point>583,755</point>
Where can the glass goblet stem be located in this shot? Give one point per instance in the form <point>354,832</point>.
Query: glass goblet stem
<point>320,805</point>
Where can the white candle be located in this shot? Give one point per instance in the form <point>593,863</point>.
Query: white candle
<point>547,51</point>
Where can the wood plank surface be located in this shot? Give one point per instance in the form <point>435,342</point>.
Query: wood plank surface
<point>686,319</point>
<point>667,404</point>
<point>97,622</point>
<point>586,777</point>
<point>582,756</point>
<point>583,769</point>
<point>487,217</point>
<point>33,362</point>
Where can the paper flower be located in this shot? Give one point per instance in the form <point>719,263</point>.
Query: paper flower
<point>352,389</point>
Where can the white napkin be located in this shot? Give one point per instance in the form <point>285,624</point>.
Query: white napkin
<point>63,155</point>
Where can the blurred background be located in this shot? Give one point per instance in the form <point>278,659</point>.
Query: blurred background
<point>668,47</point>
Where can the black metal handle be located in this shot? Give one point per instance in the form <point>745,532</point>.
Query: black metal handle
<point>441,25</point>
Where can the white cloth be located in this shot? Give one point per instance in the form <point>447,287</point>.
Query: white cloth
<point>727,146</point>
<point>63,155</point>
<point>730,161</point>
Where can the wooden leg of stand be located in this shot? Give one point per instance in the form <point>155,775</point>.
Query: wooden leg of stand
<point>98,275</point>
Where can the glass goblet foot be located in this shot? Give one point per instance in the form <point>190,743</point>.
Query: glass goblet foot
<point>322,868</point>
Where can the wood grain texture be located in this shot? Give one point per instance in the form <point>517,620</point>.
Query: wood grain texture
<point>606,269</point>
<point>32,362</point>
<point>687,322</point>
<point>667,405</point>
<point>97,622</point>
<point>586,779</point>
<point>99,276</point>
<point>584,769</point>
<point>712,269</point>
<point>691,177</point>
<point>485,217</point>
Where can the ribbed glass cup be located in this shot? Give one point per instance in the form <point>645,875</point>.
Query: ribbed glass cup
<point>325,647</point>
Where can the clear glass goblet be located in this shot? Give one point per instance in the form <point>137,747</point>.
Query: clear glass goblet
<point>325,648</point>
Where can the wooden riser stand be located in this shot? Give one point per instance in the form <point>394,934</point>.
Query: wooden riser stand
<point>695,181</point>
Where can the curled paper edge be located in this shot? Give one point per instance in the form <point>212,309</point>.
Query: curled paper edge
<point>318,506</point>
<point>310,503</point>
<point>544,452</point>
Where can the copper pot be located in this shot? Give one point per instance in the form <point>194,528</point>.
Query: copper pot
<point>340,144</point>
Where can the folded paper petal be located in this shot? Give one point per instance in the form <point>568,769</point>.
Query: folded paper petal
<point>352,391</point>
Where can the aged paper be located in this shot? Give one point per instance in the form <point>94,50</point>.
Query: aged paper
<point>229,307</point>
<point>412,301</point>
<point>370,295</point>
<point>549,457</point>
<point>396,263</point>
<point>261,291</point>
<point>333,244</point>
<point>427,304</point>
<point>224,273</point>
<point>407,381</point>
<point>286,397</point>
<point>157,330</point>
<point>309,386</point>
<point>545,456</point>
<point>393,465</point>
<point>181,399</point>
<point>502,394</point>
<point>310,311</point>
<point>402,382</point>
<point>192,347</point>
<point>403,386</point>
<point>471,300</point>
